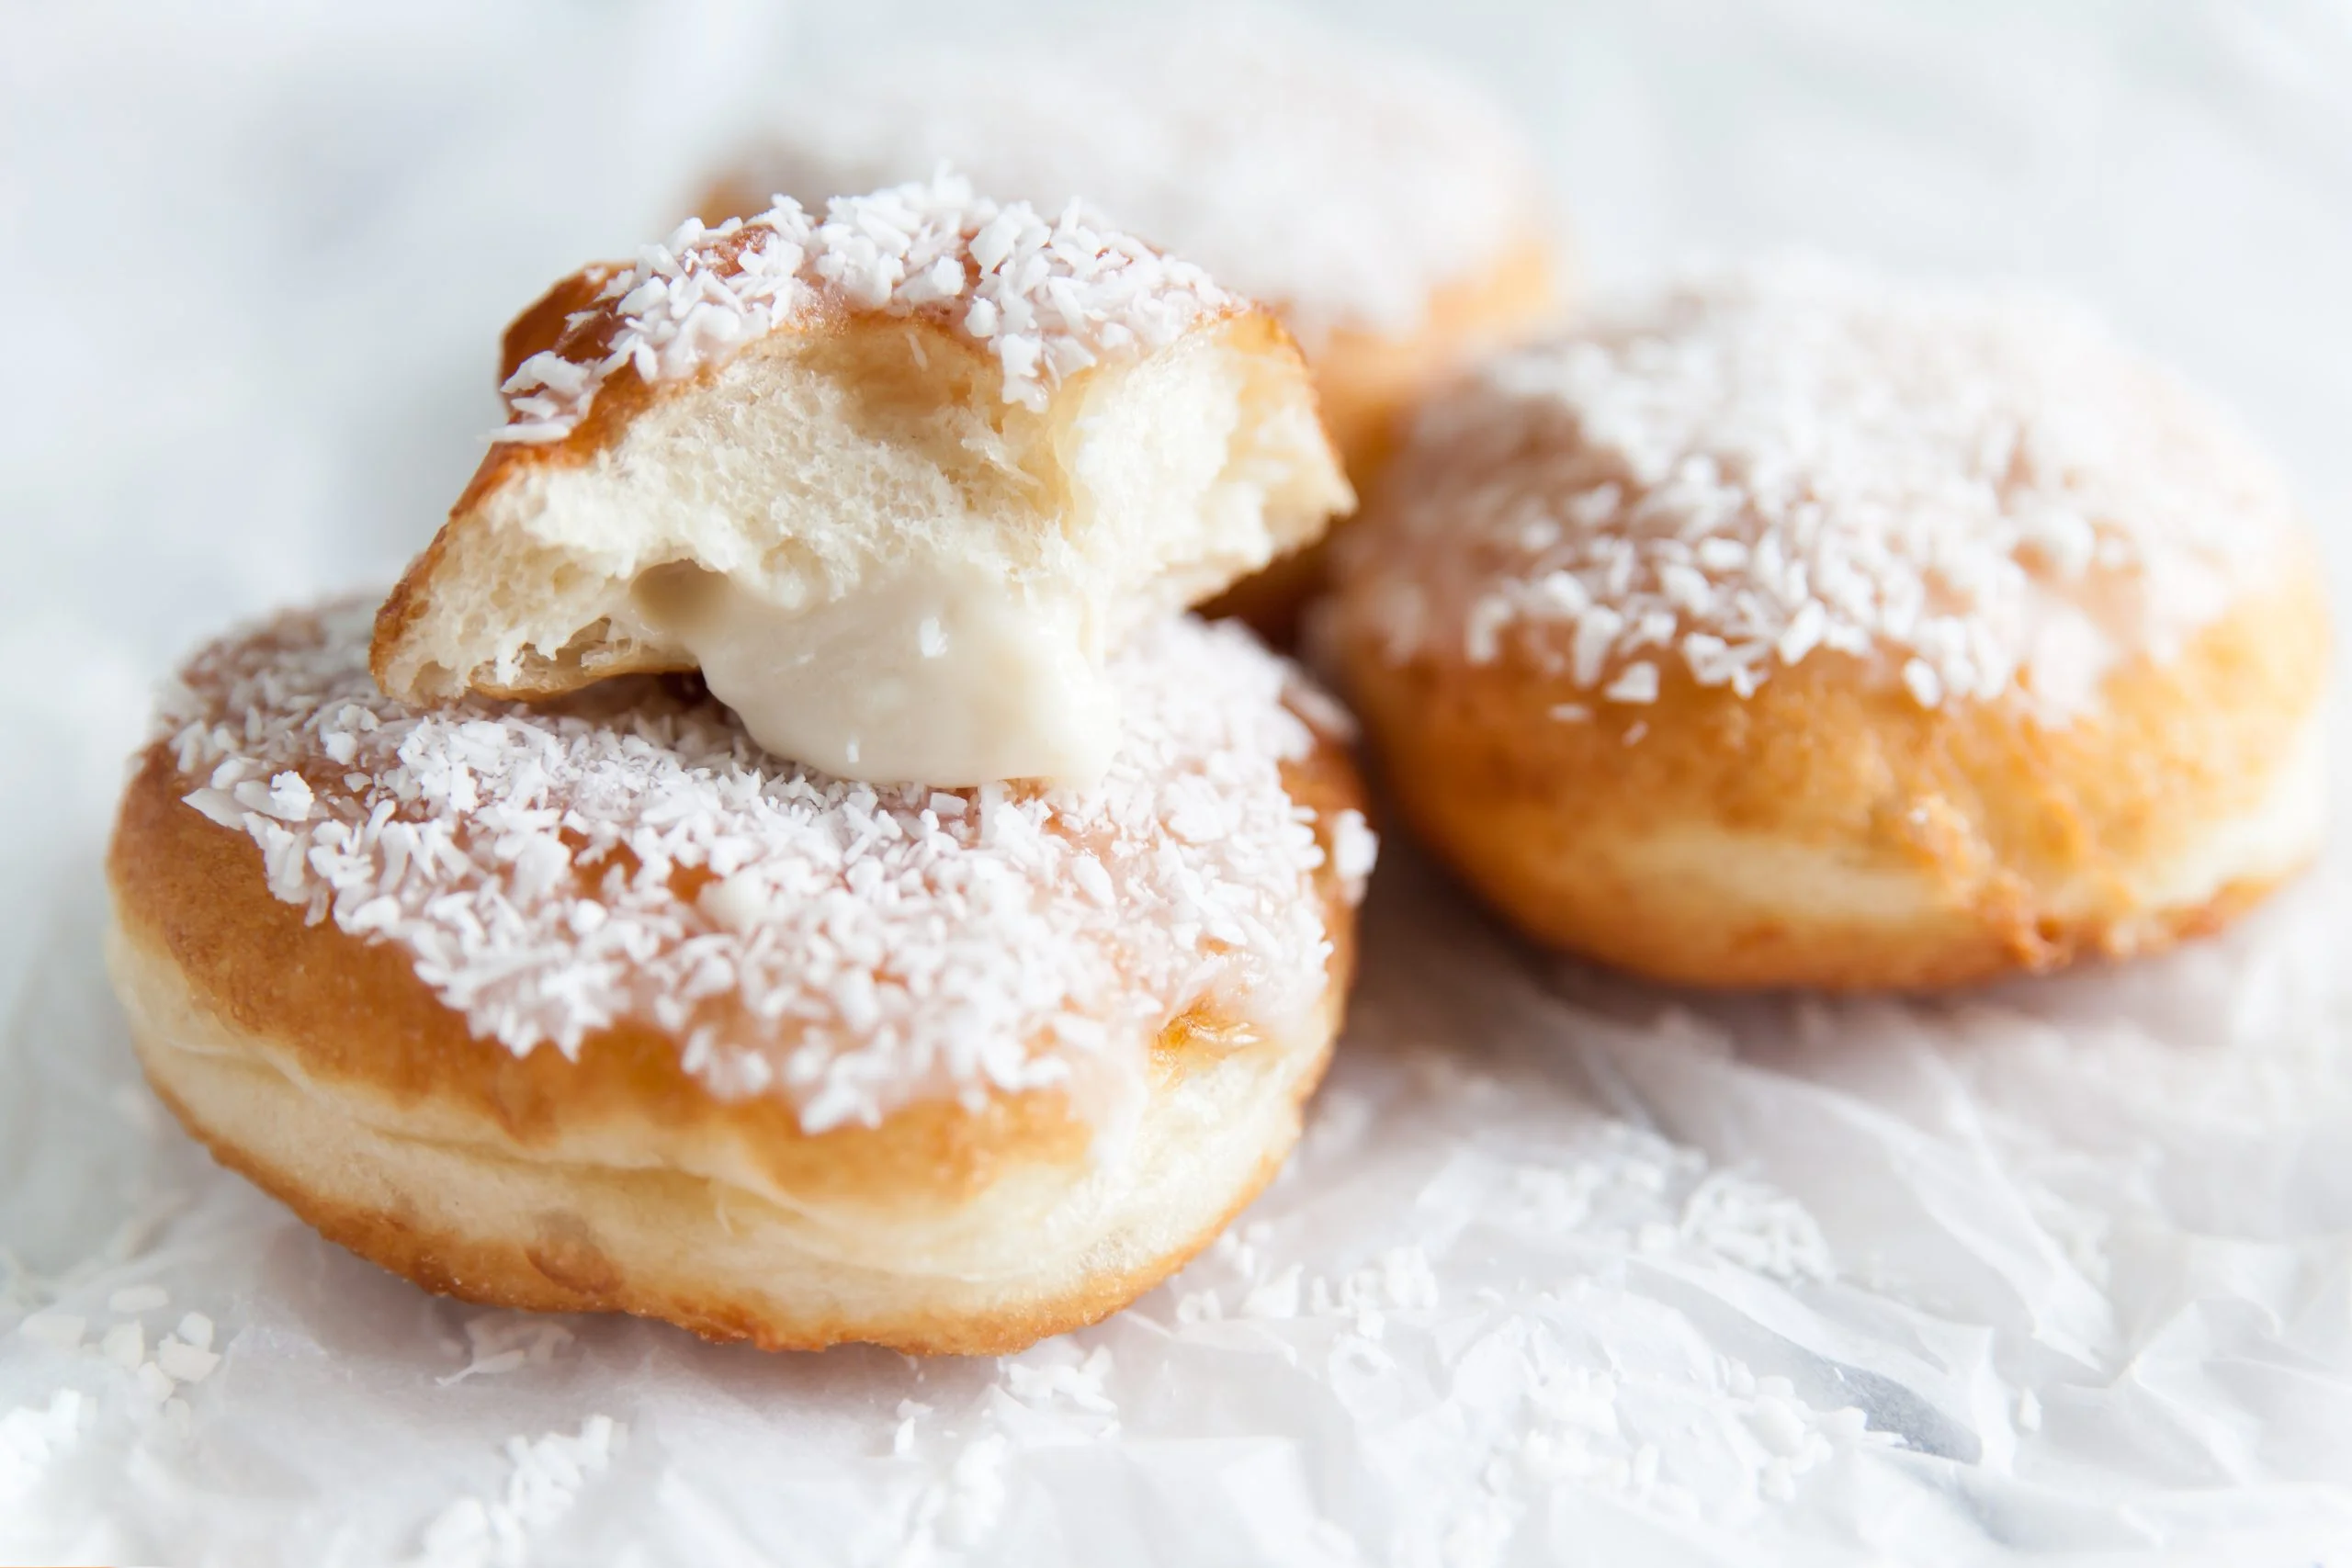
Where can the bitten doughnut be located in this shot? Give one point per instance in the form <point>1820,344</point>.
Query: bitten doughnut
<point>1391,217</point>
<point>593,1004</point>
<point>1800,628</point>
<point>897,480</point>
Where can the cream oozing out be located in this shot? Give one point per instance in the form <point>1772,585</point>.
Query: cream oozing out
<point>937,675</point>
<point>962,633</point>
<point>1048,297</point>
<point>849,948</point>
<point>1337,182</point>
<point>1973,494</point>
<point>924,589</point>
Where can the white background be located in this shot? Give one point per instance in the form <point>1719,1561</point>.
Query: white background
<point>2062,1271</point>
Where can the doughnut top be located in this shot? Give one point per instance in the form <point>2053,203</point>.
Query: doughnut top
<point>1974,494</point>
<point>1337,182</point>
<point>1047,298</point>
<point>631,854</point>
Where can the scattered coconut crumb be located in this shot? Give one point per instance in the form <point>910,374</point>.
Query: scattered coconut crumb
<point>548,1476</point>
<point>1354,851</point>
<point>58,1330</point>
<point>139,1298</point>
<point>506,1342</point>
<point>185,1362</point>
<point>910,1414</point>
<point>31,1436</point>
<point>125,1345</point>
<point>1078,1384</point>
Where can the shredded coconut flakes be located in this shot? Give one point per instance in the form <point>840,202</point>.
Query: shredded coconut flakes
<point>1974,494</point>
<point>1047,298</point>
<point>552,870</point>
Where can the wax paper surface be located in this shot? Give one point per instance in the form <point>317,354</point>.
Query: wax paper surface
<point>1565,1269</point>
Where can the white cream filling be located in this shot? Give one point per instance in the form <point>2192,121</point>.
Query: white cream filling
<point>943,673</point>
<point>887,586</point>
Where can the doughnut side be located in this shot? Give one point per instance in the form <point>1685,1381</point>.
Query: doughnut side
<point>1365,379</point>
<point>318,1064</point>
<point>1828,832</point>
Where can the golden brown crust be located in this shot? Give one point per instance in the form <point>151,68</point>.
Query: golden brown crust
<point>544,324</point>
<point>352,1023</point>
<point>1364,381</point>
<point>1985,844</point>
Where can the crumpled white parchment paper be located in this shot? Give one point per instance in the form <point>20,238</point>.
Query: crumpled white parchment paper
<point>1567,1269</point>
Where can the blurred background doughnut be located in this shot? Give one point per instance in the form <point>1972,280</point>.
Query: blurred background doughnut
<point>1392,216</point>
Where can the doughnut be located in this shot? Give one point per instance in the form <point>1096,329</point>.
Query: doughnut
<point>1385,210</point>
<point>898,481</point>
<point>592,1004</point>
<point>1795,627</point>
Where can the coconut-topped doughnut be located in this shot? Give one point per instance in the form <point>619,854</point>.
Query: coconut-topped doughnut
<point>597,1003</point>
<point>1386,210</point>
<point>1795,626</point>
<point>898,480</point>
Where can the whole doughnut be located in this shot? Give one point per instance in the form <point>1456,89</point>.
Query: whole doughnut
<point>1796,627</point>
<point>596,1005</point>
